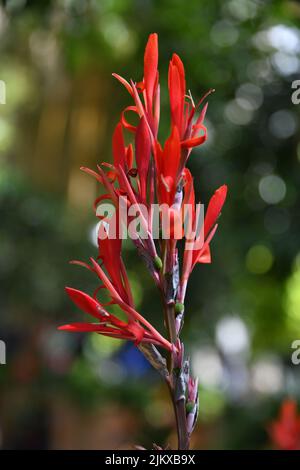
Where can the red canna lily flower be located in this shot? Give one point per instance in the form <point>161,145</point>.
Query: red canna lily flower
<point>122,156</point>
<point>138,330</point>
<point>177,91</point>
<point>285,431</point>
<point>192,132</point>
<point>130,197</point>
<point>149,108</point>
<point>183,108</point>
<point>112,273</point>
<point>141,174</point>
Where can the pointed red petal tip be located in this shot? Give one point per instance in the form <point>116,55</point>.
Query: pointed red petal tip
<point>150,64</point>
<point>124,82</point>
<point>214,208</point>
<point>177,62</point>
<point>81,327</point>
<point>204,255</point>
<point>68,327</point>
<point>151,49</point>
<point>84,302</point>
<point>222,192</point>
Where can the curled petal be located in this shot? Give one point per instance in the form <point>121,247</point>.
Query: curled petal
<point>104,197</point>
<point>125,123</point>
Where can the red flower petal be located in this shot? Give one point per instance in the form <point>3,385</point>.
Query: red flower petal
<point>124,82</point>
<point>142,154</point>
<point>194,142</point>
<point>129,156</point>
<point>118,146</point>
<point>285,432</point>
<point>150,67</point>
<point>176,82</point>
<point>214,208</point>
<point>81,327</point>
<point>125,123</point>
<point>85,302</point>
<point>204,255</point>
<point>110,253</point>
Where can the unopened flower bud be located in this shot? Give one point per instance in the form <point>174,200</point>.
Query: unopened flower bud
<point>179,308</point>
<point>158,263</point>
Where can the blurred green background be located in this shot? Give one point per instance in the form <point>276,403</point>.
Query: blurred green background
<point>59,390</point>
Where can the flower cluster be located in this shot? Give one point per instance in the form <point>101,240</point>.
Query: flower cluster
<point>285,431</point>
<point>142,174</point>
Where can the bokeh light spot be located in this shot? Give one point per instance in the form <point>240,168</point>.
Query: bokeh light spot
<point>272,189</point>
<point>249,96</point>
<point>224,33</point>
<point>207,366</point>
<point>259,259</point>
<point>277,220</point>
<point>282,124</point>
<point>232,335</point>
<point>267,376</point>
<point>237,113</point>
